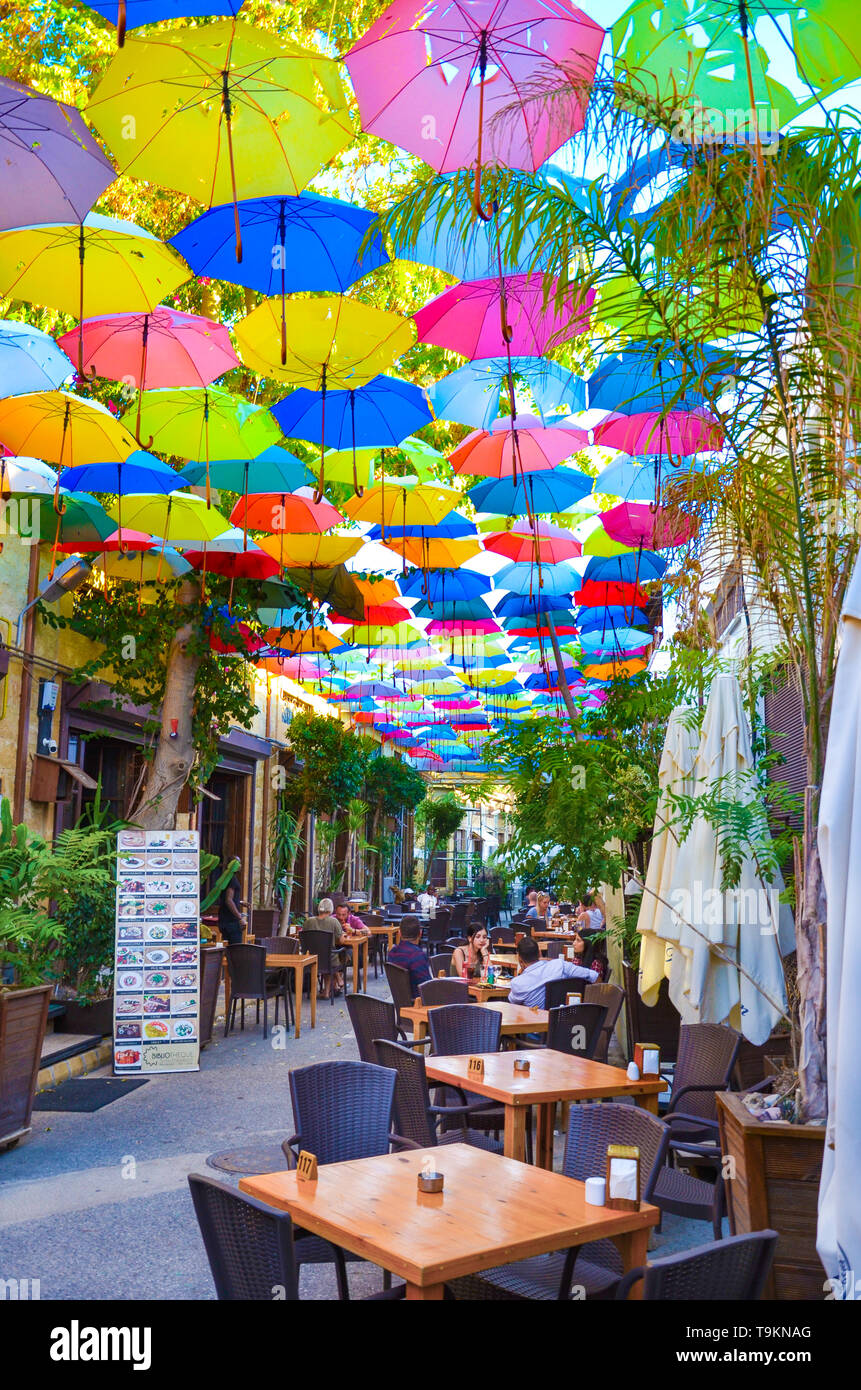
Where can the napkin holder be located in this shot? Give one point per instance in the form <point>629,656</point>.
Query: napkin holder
<point>648,1059</point>
<point>623,1178</point>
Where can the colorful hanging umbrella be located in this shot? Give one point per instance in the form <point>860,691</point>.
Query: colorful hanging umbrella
<point>25,477</point>
<point>139,473</point>
<point>231,553</point>
<point>604,620</point>
<point>142,567</point>
<point>524,579</point>
<point>655,528</point>
<point>471,318</point>
<point>222,112</point>
<point>641,480</point>
<point>296,243</point>
<point>179,517</point>
<point>317,551</point>
<point>444,586</point>
<point>83,525</point>
<point>275,470</point>
<point>205,424</point>
<point>30,360</point>
<point>98,266</point>
<point>597,542</point>
<point>158,348</point>
<point>130,14</point>
<point>383,412</point>
<point>51,168</point>
<point>430,552</point>
<point>453,526</point>
<point>63,429</point>
<point>451,82</point>
<point>515,447</point>
<point>678,432</point>
<point>651,376</point>
<point>402,501</point>
<point>540,541</point>
<point>296,512</point>
<point>341,466</point>
<point>637,567</point>
<point>550,491</point>
<point>328,342</point>
<point>596,593</point>
<point>471,395</point>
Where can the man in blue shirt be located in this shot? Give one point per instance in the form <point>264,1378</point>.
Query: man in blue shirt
<point>528,987</point>
<point>410,956</point>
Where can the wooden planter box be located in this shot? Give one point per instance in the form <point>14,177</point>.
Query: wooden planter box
<point>776,1185</point>
<point>23,1019</point>
<point>92,1019</point>
<point>211,958</point>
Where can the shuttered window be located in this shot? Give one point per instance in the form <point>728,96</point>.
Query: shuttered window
<point>784,721</point>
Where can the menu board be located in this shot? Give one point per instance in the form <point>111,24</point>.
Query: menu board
<point>157,956</point>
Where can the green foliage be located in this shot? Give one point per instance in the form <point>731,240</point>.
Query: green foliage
<point>439,817</point>
<point>330,763</point>
<point>220,883</point>
<point>87,917</point>
<point>393,785</point>
<point>284,842</point>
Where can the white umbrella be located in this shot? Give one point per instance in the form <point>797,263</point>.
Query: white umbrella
<point>839,1237</point>
<point>658,925</point>
<point>728,967</point>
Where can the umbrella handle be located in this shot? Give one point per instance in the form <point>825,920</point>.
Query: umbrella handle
<point>476,199</point>
<point>121,24</point>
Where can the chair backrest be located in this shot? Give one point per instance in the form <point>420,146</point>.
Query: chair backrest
<point>556,991</point>
<point>455,941</point>
<point>576,1029</point>
<point>342,1110</point>
<point>441,961</point>
<point>437,930</point>
<point>707,1053</point>
<point>279,945</point>
<point>412,1099</point>
<point>505,934</point>
<point>373,919</point>
<point>458,918</point>
<point>319,944</point>
<point>371,1018</point>
<point>249,1245</point>
<point>459,1028</point>
<point>565,909</point>
<point>399,985</point>
<point>595,1124</point>
<point>612,997</point>
<point>247,966</point>
<point>448,991</point>
<point>555,949</point>
<point>733,1270</point>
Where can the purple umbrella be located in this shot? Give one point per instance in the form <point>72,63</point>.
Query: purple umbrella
<point>51,169</point>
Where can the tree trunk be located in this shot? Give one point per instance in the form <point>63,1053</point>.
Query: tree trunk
<point>810,946</point>
<point>560,669</point>
<point>376,859</point>
<point>174,754</point>
<point>288,881</point>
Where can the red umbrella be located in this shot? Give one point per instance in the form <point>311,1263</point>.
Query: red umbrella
<point>644,524</point>
<point>474,318</point>
<point>294,512</point>
<point>524,446</point>
<point>543,541</point>
<point>248,564</point>
<point>118,541</point>
<point>383,613</point>
<point>597,593</point>
<point>679,432</point>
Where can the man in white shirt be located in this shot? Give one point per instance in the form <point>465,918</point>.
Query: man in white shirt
<point>428,902</point>
<point>528,987</point>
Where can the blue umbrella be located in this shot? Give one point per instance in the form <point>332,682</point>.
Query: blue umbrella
<point>646,377</point>
<point>130,14</point>
<point>275,470</point>
<point>550,491</point>
<point>139,473</point>
<point>624,639</point>
<point>639,479</point>
<point>638,566</point>
<point>471,395</point>
<point>606,619</point>
<point>444,585</point>
<point>290,243</point>
<point>455,524</point>
<point>459,611</point>
<point>522,605</point>
<point>30,360</point>
<point>524,579</point>
<point>382,413</point>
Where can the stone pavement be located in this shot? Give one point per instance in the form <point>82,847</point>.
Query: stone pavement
<point>96,1206</point>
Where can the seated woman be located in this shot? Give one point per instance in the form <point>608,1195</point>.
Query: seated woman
<point>540,910</point>
<point>327,921</point>
<point>475,955</point>
<point>590,916</point>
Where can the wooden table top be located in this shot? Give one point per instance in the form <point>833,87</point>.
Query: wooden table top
<point>481,991</point>
<point>555,935</point>
<point>277,959</point>
<point>384,928</point>
<point>516,1018</point>
<point>552,1076</point>
<point>493,1210</point>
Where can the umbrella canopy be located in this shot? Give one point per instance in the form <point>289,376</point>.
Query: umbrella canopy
<point>178,517</point>
<point>141,566</point>
<point>550,491</point>
<point>656,528</point>
<point>643,479</point>
<point>444,585</point>
<point>206,423</point>
<point>285,511</point>
<point>526,543</point>
<point>520,446</point>
<point>383,412</point>
<point>231,553</point>
<point>161,348</point>
<point>649,432</point>
<point>839,1236</point>
<point>607,618</point>
<point>648,379</point>
<point>328,341</point>
<point>441,80</point>
<point>637,567</point>
<point>400,501</point>
<point>298,243</point>
<point>222,111</point>
<point>468,318</point>
<point>130,14</point>
<point>30,360</point>
<point>275,470</point>
<point>727,967</point>
<point>25,477</point>
<point>51,168</point>
<point>471,395</point>
<point>311,550</point>
<point>524,579</point>
<point>140,472</point>
<point>431,553</point>
<point>454,525</point>
<point>63,429</point>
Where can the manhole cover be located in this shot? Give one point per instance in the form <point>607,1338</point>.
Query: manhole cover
<point>269,1160</point>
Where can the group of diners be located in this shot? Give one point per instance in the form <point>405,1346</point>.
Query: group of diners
<point>588,913</point>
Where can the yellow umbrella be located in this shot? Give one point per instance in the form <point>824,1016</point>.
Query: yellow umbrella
<point>599,543</point>
<point>380,635</point>
<point>337,465</point>
<point>180,517</point>
<point>436,553</point>
<point>300,643</point>
<point>63,429</point>
<point>330,341</point>
<point>99,266</point>
<point>403,502</point>
<point>300,552</point>
<point>222,112</point>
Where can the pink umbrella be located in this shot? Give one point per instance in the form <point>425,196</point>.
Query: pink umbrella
<point>643,524</point>
<point>524,445</point>
<point>448,626</point>
<point>471,318</point>
<point>679,432</point>
<point>456,704</point>
<point>431,76</point>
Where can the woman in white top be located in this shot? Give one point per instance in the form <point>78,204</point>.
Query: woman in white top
<point>589,915</point>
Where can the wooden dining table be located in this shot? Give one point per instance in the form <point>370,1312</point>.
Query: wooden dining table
<point>481,991</point>
<point>358,945</point>
<point>276,960</point>
<point>516,1018</point>
<point>553,1076</point>
<point>492,1210</point>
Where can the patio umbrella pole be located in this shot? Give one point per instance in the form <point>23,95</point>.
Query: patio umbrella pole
<point>81,299</point>
<point>283,230</point>
<point>121,24</point>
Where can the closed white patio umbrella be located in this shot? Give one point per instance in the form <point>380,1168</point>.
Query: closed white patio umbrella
<point>839,1235</point>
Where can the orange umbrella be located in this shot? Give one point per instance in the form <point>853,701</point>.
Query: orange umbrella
<point>284,511</point>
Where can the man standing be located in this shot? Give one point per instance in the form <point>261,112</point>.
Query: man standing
<point>528,987</point>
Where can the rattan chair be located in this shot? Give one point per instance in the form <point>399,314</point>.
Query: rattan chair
<point>440,962</point>
<point>501,934</point>
<point>731,1271</point>
<point>596,1266</point>
<point>556,991</point>
<point>447,991</point>
<point>375,1018</point>
<point>575,1029</point>
<point>416,1117</point>
<point>436,930</point>
<point>285,946</point>
<point>612,997</point>
<point>456,1029</point>
<point>250,980</point>
<point>322,945</point>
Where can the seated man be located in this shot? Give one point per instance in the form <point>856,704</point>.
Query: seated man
<point>410,956</point>
<point>327,921</point>
<point>536,971</point>
<point>428,901</point>
<point>352,925</point>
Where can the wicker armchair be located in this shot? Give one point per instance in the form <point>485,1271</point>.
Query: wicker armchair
<point>733,1271</point>
<point>440,962</point>
<point>612,997</point>
<point>322,945</point>
<point>251,981</point>
<point>416,1118</point>
<point>576,1029</point>
<point>459,1028</point>
<point>375,1018</point>
<point>595,1266</point>
<point>446,991</point>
